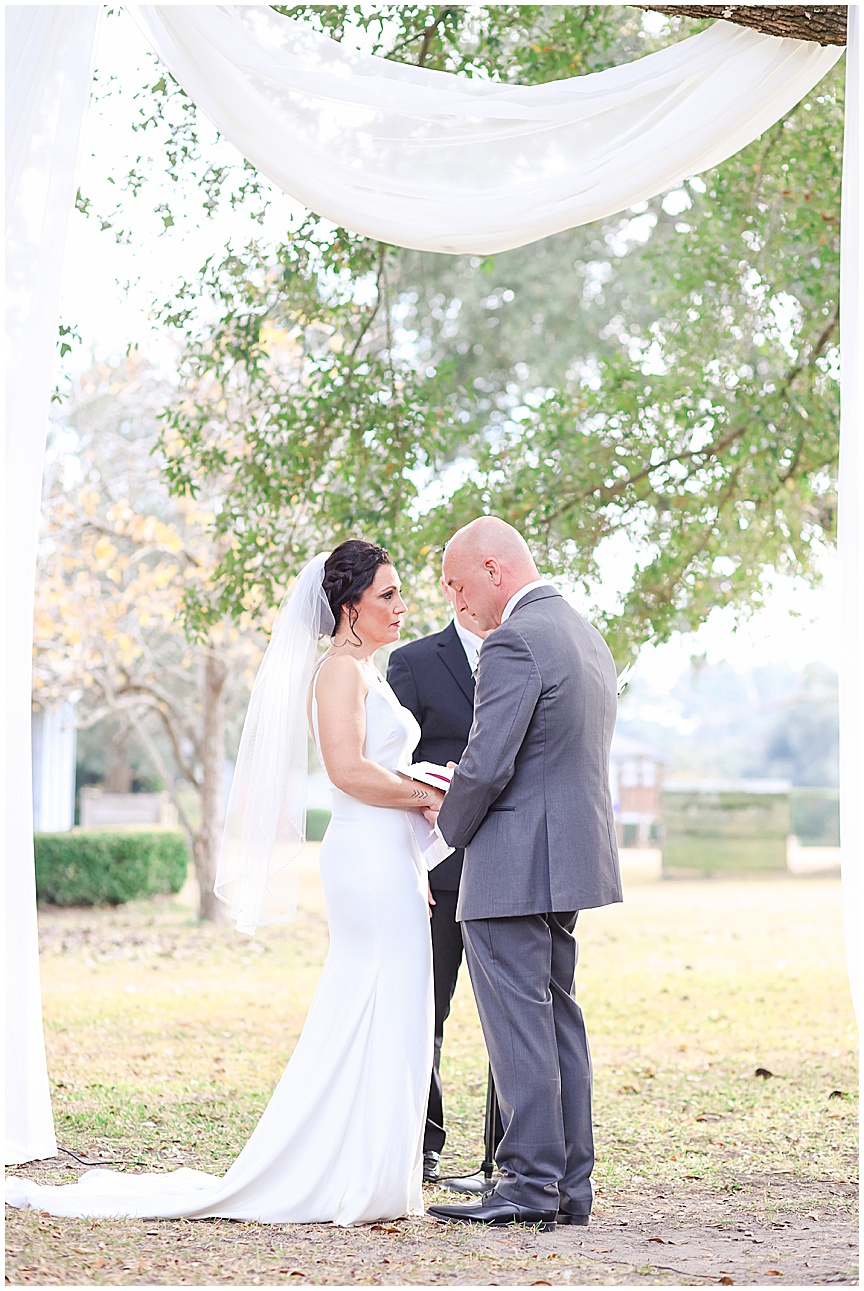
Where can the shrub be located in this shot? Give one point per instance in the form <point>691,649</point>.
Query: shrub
<point>317,820</point>
<point>96,867</point>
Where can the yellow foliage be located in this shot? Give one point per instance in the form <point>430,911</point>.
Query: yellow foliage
<point>89,500</point>
<point>163,574</point>
<point>129,650</point>
<point>103,553</point>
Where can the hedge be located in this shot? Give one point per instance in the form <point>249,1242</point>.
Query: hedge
<point>317,820</point>
<point>96,867</point>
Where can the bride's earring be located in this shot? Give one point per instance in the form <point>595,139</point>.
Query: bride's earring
<point>353,616</point>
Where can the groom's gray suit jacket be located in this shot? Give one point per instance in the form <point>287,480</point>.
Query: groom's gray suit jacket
<point>530,800</point>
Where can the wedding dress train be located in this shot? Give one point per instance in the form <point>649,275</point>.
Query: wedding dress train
<point>341,1138</point>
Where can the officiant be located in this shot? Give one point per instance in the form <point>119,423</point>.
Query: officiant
<point>434,678</point>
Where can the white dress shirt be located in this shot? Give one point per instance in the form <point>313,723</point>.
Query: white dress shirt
<point>471,644</point>
<point>517,596</point>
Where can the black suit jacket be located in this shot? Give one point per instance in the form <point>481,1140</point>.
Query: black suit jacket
<point>431,677</point>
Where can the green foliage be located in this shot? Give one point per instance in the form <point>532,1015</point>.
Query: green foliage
<point>655,393</point>
<point>317,820</point>
<point>94,867</point>
<point>725,832</point>
<point>816,816</point>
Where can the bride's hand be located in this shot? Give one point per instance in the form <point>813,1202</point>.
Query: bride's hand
<point>432,804</point>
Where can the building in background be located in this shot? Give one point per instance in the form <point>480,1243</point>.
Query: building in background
<point>637,772</point>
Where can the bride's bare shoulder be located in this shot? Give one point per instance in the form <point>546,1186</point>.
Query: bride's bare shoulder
<point>341,675</point>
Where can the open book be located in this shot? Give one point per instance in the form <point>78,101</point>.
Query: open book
<point>430,773</point>
<point>432,846</point>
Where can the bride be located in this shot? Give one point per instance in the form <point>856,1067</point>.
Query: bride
<point>342,1135</point>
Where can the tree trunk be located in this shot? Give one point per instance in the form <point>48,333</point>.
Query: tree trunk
<point>212,753</point>
<point>118,773</point>
<point>823,24</point>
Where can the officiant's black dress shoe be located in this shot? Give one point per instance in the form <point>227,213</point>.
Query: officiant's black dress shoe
<point>496,1211</point>
<point>431,1167</point>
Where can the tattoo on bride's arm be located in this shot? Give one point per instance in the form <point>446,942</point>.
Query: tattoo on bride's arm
<point>419,793</point>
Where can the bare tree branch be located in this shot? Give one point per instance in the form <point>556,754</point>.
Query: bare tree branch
<point>157,703</point>
<point>163,771</point>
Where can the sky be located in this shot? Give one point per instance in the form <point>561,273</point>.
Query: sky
<point>798,625</point>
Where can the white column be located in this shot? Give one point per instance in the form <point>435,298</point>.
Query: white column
<point>55,739</point>
<point>49,49</point>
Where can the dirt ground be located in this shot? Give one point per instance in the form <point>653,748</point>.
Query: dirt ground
<point>686,1239</point>
<point>726,1119</point>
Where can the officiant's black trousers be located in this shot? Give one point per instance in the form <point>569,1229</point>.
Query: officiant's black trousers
<point>446,959</point>
<point>523,971</point>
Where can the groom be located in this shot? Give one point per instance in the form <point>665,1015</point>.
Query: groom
<point>531,805</point>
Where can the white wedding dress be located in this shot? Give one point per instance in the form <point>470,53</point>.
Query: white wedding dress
<point>341,1138</point>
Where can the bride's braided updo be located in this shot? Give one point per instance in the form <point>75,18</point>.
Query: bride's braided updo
<point>348,571</point>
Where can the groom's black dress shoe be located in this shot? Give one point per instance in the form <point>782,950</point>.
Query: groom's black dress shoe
<point>563,1217</point>
<point>496,1211</point>
<point>431,1167</point>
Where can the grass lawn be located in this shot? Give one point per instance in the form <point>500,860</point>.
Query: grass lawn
<point>165,1040</point>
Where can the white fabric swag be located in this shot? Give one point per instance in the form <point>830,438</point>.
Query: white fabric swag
<point>850,530</point>
<point>441,162</point>
<point>48,72</point>
<point>418,158</point>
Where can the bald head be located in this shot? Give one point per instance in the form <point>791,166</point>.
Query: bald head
<point>485,563</point>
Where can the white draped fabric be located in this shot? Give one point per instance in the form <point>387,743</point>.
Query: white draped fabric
<point>49,52</point>
<point>422,159</point>
<point>445,163</point>
<point>850,530</point>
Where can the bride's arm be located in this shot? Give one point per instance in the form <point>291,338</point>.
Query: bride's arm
<point>340,693</point>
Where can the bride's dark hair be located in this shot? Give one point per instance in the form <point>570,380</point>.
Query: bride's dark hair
<point>348,571</point>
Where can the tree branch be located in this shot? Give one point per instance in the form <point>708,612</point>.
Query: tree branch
<point>158,704</point>
<point>379,296</point>
<point>156,758</point>
<point>712,450</point>
<point>822,24</point>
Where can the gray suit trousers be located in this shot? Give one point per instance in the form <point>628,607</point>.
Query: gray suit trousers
<point>523,970</point>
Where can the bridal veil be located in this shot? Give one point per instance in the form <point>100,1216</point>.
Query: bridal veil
<point>265,822</point>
